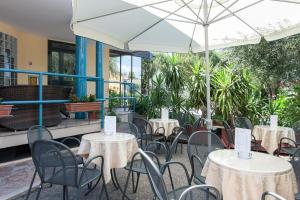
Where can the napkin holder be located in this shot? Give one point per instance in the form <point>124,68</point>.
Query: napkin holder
<point>110,125</point>
<point>164,114</point>
<point>243,143</point>
<point>273,121</point>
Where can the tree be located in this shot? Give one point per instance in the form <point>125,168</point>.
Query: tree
<point>271,62</point>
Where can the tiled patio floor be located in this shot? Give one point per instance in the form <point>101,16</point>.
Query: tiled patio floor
<point>16,177</point>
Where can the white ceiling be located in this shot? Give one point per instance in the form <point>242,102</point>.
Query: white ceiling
<point>50,18</point>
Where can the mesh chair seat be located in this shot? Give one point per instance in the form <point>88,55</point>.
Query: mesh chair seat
<point>137,166</point>
<point>59,176</point>
<point>199,180</point>
<point>175,194</point>
<point>289,150</point>
<point>297,196</point>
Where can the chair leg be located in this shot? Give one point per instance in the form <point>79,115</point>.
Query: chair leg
<point>126,184</point>
<point>171,179</point>
<point>113,180</point>
<point>31,183</point>
<point>137,182</point>
<point>91,187</point>
<point>105,188</point>
<point>132,180</point>
<point>78,194</point>
<point>65,193</point>
<point>39,192</point>
<point>181,148</point>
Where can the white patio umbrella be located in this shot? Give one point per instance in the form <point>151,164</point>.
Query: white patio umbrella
<point>185,25</point>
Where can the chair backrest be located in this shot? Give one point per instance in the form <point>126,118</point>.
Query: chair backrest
<point>50,156</point>
<point>38,132</point>
<point>296,128</point>
<point>243,122</point>
<point>155,177</point>
<point>228,132</point>
<point>160,149</point>
<point>197,124</point>
<point>271,194</point>
<point>198,144</point>
<point>200,192</point>
<point>127,127</point>
<point>296,165</point>
<point>174,144</point>
<point>143,125</point>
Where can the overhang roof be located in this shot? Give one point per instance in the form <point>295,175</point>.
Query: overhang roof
<point>50,18</point>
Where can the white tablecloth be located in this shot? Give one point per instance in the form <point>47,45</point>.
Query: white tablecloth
<point>167,124</point>
<point>117,150</point>
<point>270,137</point>
<point>239,179</point>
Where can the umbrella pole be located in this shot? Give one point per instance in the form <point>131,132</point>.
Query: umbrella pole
<point>207,74</point>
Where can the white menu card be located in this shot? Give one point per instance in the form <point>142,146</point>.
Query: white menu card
<point>164,114</point>
<point>273,121</point>
<point>243,143</point>
<point>110,125</point>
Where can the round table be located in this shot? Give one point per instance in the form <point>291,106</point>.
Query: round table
<point>270,137</point>
<point>116,149</point>
<point>239,179</point>
<point>168,125</point>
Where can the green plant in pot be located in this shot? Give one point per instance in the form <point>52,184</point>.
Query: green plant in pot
<point>82,104</point>
<point>93,115</point>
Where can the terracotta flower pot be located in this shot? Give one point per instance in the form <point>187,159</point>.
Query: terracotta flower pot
<point>92,115</point>
<point>5,110</point>
<point>82,107</point>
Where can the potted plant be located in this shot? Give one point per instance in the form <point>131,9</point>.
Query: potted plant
<point>5,110</point>
<point>81,104</point>
<point>93,115</point>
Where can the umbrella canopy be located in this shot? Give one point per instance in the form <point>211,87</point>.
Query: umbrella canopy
<point>185,25</point>
<point>178,25</point>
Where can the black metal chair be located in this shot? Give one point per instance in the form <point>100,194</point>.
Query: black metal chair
<point>146,133</point>
<point>198,150</point>
<point>136,165</point>
<point>271,194</point>
<point>128,127</point>
<point>288,146</point>
<point>296,166</point>
<point>296,128</point>
<point>38,132</point>
<point>229,135</point>
<point>157,182</point>
<point>57,164</point>
<point>200,192</point>
<point>243,122</point>
<point>188,129</point>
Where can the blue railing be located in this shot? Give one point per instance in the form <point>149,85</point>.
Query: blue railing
<point>40,100</point>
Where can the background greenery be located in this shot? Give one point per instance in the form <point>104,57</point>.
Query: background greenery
<point>251,80</point>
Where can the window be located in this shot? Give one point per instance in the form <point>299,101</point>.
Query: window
<point>124,68</point>
<point>8,59</point>
<point>61,59</point>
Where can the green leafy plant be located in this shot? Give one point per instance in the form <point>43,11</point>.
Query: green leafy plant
<point>92,98</point>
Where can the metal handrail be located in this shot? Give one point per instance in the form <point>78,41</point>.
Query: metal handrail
<point>40,100</point>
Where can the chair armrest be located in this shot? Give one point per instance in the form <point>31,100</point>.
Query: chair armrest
<point>170,163</point>
<point>285,138</point>
<point>158,129</point>
<point>70,139</point>
<point>87,163</point>
<point>194,158</point>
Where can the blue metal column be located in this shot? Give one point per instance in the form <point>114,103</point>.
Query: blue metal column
<point>100,82</point>
<point>80,69</point>
<point>40,78</point>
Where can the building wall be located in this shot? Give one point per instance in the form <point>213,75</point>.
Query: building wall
<point>33,55</point>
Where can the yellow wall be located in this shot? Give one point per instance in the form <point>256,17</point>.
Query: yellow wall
<point>33,55</point>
